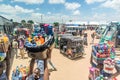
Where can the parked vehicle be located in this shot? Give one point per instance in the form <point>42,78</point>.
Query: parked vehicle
<point>71,46</point>
<point>57,39</point>
<point>73,32</point>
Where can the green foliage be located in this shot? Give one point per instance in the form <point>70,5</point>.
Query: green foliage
<point>30,21</point>
<point>23,21</point>
<point>56,23</point>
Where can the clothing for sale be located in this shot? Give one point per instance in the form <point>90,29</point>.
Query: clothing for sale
<point>40,65</point>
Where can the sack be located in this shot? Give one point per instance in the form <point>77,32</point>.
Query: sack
<point>15,44</point>
<point>38,55</point>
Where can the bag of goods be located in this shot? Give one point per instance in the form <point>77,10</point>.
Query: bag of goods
<point>101,77</point>
<point>20,73</point>
<point>94,72</point>
<point>2,56</point>
<point>38,55</point>
<point>109,65</point>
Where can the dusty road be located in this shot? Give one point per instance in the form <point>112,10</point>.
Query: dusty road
<point>66,69</point>
<point>72,69</point>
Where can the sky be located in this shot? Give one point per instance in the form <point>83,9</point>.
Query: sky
<point>50,11</point>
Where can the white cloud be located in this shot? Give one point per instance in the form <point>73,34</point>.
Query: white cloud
<point>99,16</point>
<point>114,4</point>
<point>36,15</point>
<point>30,1</point>
<point>56,1</point>
<point>1,0</point>
<point>48,12</point>
<point>93,1</point>
<point>37,8</point>
<point>102,17</point>
<point>13,10</point>
<point>76,12</point>
<point>72,6</point>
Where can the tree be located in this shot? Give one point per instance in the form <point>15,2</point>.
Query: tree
<point>56,24</point>
<point>23,21</point>
<point>30,21</point>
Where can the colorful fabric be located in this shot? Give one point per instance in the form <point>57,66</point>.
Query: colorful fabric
<point>21,44</point>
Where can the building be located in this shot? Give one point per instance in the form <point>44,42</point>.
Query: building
<point>6,25</point>
<point>75,25</point>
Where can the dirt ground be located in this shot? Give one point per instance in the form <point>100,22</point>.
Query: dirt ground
<point>66,69</point>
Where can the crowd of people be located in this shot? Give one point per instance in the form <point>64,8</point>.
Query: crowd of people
<point>17,47</point>
<point>41,72</point>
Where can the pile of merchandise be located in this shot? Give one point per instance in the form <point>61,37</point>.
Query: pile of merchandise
<point>20,73</point>
<point>105,73</point>
<point>102,51</point>
<point>38,43</point>
<point>40,36</point>
<point>103,62</point>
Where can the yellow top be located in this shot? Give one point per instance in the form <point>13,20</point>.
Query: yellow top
<point>5,39</point>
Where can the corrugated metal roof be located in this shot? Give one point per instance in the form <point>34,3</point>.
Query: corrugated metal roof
<point>1,21</point>
<point>4,20</point>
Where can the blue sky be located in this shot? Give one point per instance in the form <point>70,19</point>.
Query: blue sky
<point>58,10</point>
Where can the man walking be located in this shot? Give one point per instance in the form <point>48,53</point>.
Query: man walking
<point>93,36</point>
<point>15,47</point>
